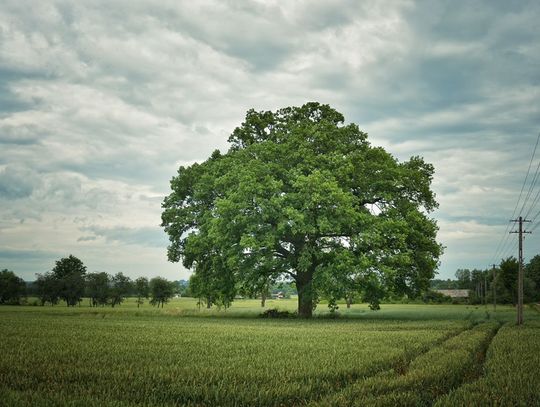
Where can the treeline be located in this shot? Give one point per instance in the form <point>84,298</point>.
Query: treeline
<point>69,281</point>
<point>500,282</point>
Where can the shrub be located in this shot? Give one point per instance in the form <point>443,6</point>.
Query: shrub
<point>275,313</point>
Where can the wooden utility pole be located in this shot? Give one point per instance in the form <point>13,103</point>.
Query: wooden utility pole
<point>485,288</point>
<point>521,232</point>
<point>494,289</point>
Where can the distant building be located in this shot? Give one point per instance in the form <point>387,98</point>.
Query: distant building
<point>454,293</point>
<point>279,295</point>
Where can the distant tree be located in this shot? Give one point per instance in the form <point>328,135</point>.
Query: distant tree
<point>532,271</point>
<point>12,288</point>
<point>287,288</point>
<point>47,288</point>
<point>448,284</point>
<point>464,279</point>
<point>182,287</point>
<point>98,288</point>
<point>121,286</point>
<point>435,297</point>
<point>507,281</point>
<point>70,272</point>
<point>161,291</point>
<point>261,289</point>
<point>142,290</point>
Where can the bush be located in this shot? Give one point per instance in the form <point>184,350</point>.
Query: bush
<point>275,313</point>
<point>434,297</point>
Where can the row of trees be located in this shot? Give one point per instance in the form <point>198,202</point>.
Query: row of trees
<point>500,281</point>
<point>69,281</point>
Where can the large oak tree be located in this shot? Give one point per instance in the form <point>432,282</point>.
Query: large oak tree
<point>303,196</point>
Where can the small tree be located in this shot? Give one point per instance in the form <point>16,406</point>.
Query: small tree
<point>47,288</point>
<point>70,271</point>
<point>161,291</point>
<point>532,271</point>
<point>120,288</point>
<point>97,288</point>
<point>12,288</point>
<point>142,290</point>
<point>506,282</point>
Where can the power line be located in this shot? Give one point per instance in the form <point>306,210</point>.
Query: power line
<point>531,187</point>
<point>500,246</point>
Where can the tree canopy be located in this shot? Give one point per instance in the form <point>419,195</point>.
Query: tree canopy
<point>12,287</point>
<point>161,291</point>
<point>302,196</point>
<point>70,274</point>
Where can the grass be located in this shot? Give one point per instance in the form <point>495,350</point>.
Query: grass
<point>511,371</point>
<point>180,355</point>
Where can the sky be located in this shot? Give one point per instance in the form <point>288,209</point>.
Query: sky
<point>102,101</point>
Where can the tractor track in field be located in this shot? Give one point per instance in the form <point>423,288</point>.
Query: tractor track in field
<point>399,367</point>
<point>479,372</point>
<point>402,367</point>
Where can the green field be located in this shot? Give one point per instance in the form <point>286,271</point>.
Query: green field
<point>180,355</point>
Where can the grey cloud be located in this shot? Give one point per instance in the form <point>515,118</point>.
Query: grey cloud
<point>143,236</point>
<point>16,183</point>
<point>19,135</point>
<point>13,254</point>
<point>86,238</point>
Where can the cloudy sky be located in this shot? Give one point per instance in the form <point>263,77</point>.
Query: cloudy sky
<point>101,101</point>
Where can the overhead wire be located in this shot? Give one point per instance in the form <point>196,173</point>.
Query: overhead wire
<point>503,243</point>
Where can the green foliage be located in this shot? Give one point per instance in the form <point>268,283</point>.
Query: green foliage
<point>506,282</point>
<point>532,274</point>
<point>448,284</point>
<point>161,291</point>
<point>434,297</point>
<point>121,286</point>
<point>142,290</point>
<point>276,313</point>
<point>300,195</point>
<point>47,288</point>
<point>97,288</point>
<point>70,274</point>
<point>12,288</point>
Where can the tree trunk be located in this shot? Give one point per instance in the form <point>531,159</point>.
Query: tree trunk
<point>349,300</point>
<point>208,302</point>
<point>263,300</point>
<point>305,294</point>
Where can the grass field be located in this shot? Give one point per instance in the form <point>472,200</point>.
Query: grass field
<point>180,355</point>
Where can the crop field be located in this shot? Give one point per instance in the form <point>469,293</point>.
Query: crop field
<point>180,355</point>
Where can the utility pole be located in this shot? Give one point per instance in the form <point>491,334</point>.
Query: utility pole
<point>494,289</point>
<point>521,232</point>
<point>485,288</point>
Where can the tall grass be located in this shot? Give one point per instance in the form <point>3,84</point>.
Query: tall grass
<point>126,359</point>
<point>512,371</point>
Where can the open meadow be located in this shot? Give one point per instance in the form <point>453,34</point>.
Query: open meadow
<point>179,355</point>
